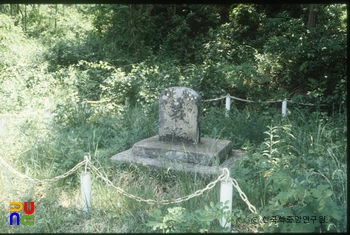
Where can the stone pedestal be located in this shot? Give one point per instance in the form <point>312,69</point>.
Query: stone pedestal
<point>207,152</point>
<point>178,145</point>
<point>214,170</point>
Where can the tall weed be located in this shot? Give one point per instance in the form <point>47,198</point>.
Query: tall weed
<point>299,171</point>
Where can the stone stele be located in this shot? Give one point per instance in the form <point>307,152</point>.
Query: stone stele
<point>178,145</point>
<point>179,115</point>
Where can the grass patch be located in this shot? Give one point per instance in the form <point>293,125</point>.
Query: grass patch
<point>297,151</point>
<point>54,110</point>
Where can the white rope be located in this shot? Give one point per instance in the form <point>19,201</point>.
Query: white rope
<point>268,101</point>
<point>224,176</point>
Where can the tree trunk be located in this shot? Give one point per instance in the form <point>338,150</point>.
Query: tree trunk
<point>56,16</point>
<point>131,26</point>
<point>25,18</point>
<point>311,22</point>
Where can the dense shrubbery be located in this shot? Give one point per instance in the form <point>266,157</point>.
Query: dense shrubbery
<point>299,172</point>
<point>251,51</point>
<point>91,76</point>
<point>309,62</point>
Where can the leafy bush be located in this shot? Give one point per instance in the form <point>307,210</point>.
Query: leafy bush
<point>249,130</point>
<point>101,80</point>
<point>298,176</point>
<point>308,62</point>
<point>179,220</point>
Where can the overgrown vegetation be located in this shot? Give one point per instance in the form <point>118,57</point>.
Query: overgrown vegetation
<point>80,80</point>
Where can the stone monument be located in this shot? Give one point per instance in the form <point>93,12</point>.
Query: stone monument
<point>179,115</point>
<point>178,144</point>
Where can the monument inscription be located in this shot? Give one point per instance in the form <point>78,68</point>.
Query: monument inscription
<point>179,115</point>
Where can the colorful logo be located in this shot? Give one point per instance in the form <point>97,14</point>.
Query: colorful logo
<point>27,219</point>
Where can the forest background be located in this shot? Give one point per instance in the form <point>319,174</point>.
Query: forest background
<point>81,80</point>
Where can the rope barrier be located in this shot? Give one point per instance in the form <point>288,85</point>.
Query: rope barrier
<point>108,182</point>
<point>228,98</point>
<point>86,188</point>
<point>224,176</point>
<point>71,171</point>
<point>245,199</point>
<point>86,192</point>
<point>222,97</point>
<point>249,101</point>
<point>87,162</point>
<point>151,201</point>
<point>268,101</point>
<point>87,198</point>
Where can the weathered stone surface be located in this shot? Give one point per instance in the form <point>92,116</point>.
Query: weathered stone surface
<point>128,157</point>
<point>179,115</point>
<point>178,145</point>
<point>207,152</point>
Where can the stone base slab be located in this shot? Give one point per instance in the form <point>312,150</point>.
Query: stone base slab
<point>207,152</point>
<point>128,157</point>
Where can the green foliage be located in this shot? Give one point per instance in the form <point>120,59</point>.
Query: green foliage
<point>290,56</point>
<point>142,84</point>
<point>246,21</point>
<point>186,32</point>
<point>23,78</point>
<point>126,31</point>
<point>298,176</point>
<point>248,132</point>
<point>173,32</point>
<point>179,220</point>
<point>81,80</point>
